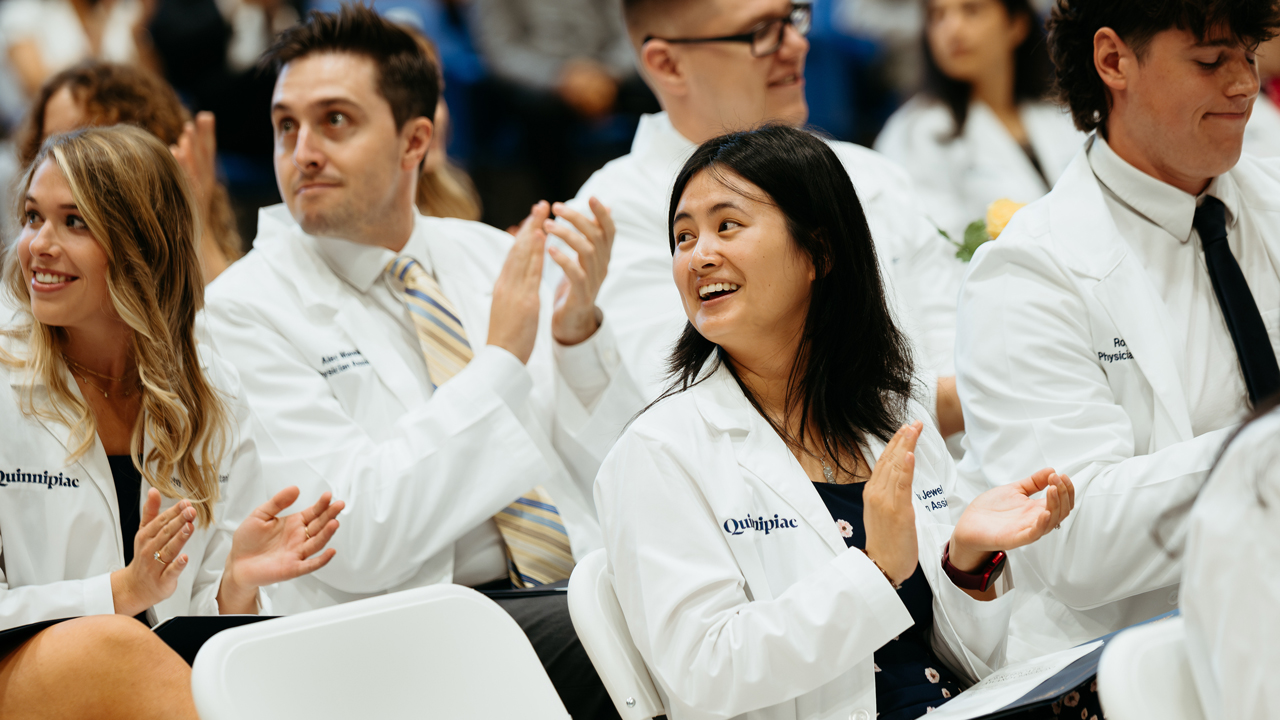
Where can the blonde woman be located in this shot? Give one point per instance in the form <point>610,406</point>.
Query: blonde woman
<point>128,472</point>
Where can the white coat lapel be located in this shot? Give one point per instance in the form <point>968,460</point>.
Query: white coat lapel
<point>1084,229</point>
<point>764,454</point>
<point>94,461</point>
<point>996,148</point>
<point>355,321</point>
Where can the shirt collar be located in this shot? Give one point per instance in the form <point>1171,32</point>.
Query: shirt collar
<point>658,141</point>
<point>1159,202</point>
<point>361,265</point>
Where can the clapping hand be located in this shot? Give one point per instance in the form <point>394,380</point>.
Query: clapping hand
<point>268,549</point>
<point>513,316</point>
<point>888,513</point>
<point>575,317</point>
<point>1007,517</point>
<point>158,559</point>
<point>196,152</point>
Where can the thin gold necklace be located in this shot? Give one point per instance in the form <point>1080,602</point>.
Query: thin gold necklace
<point>83,370</point>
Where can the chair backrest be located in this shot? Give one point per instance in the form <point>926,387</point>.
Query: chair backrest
<point>443,651</point>
<point>1144,673</point>
<point>597,617</point>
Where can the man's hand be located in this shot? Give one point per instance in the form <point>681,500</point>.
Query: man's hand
<point>587,87</point>
<point>576,317</point>
<point>513,317</point>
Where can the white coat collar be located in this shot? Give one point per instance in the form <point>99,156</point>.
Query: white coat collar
<point>658,143</point>
<point>1163,204</point>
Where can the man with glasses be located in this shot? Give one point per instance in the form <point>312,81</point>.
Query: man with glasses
<point>724,65</point>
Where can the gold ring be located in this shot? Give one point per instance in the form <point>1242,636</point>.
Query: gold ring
<point>304,531</point>
<point>158,558</point>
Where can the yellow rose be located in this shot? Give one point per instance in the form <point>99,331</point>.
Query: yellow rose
<point>999,213</point>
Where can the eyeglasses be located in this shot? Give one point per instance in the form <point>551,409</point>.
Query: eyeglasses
<point>765,38</point>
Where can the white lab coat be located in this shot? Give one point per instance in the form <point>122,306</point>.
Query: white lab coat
<point>739,622</point>
<point>416,473</point>
<point>60,537</point>
<point>640,296</point>
<point>1080,375</point>
<point>958,178</point>
<point>1262,134</point>
<point>1230,583</point>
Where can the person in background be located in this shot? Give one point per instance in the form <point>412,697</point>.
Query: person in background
<point>781,539</point>
<point>100,93</point>
<point>1124,325</point>
<point>444,189</point>
<point>557,63</point>
<point>44,37</point>
<point>720,65</point>
<point>1262,135</point>
<point>419,367</point>
<point>129,473</point>
<point>983,129</point>
<point>1230,587</point>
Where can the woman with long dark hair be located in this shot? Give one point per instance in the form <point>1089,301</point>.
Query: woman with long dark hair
<point>780,522</point>
<point>982,129</point>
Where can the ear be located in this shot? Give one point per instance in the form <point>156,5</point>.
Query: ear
<point>1021,29</point>
<point>1114,60</point>
<point>417,134</point>
<point>660,62</point>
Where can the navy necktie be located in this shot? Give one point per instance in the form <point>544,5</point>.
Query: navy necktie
<point>1253,346</point>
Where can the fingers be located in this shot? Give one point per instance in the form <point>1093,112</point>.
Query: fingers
<point>161,522</point>
<point>171,553</point>
<point>277,504</point>
<point>318,516</point>
<point>151,508</point>
<point>319,539</point>
<point>314,562</point>
<point>604,217</point>
<point>589,234</point>
<point>206,127</point>
<point>1038,481</point>
<point>172,528</point>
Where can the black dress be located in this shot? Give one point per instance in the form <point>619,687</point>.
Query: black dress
<point>910,679</point>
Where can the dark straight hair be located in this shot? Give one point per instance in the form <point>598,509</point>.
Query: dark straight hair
<point>853,372</point>
<point>1032,75</point>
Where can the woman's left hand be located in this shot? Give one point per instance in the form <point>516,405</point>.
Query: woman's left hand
<point>1007,517</point>
<point>267,549</point>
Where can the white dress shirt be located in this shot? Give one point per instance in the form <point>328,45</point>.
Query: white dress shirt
<point>336,375</point>
<point>1155,219</point>
<point>922,274</point>
<point>1231,583</point>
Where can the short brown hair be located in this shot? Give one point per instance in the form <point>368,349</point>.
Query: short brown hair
<point>1073,24</point>
<point>407,78</point>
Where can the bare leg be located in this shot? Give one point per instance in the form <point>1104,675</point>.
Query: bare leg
<point>104,666</point>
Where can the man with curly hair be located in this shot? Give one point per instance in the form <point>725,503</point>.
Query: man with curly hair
<point>1124,325</point>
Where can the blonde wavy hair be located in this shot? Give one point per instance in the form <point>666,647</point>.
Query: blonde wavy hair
<point>135,200</point>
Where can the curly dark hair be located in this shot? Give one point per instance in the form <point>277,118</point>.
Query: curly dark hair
<point>1073,24</point>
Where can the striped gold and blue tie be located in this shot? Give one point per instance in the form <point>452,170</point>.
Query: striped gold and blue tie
<point>538,549</point>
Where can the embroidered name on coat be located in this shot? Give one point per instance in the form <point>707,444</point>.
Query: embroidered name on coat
<point>37,478</point>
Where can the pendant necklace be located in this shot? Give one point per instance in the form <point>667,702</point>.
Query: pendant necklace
<point>84,370</point>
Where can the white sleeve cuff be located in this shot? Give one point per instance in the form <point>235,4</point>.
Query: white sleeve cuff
<point>98,599</point>
<point>507,375</point>
<point>588,366</point>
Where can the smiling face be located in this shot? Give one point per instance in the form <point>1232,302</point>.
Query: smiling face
<point>727,88</point>
<point>62,262</point>
<point>1185,105</point>
<point>971,38</point>
<point>744,282</point>
<point>343,168</point>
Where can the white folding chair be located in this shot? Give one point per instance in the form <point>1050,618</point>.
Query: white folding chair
<point>597,617</point>
<point>444,651</point>
<point>1144,673</point>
